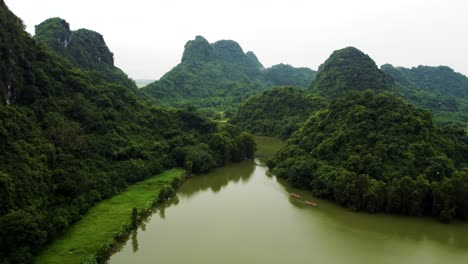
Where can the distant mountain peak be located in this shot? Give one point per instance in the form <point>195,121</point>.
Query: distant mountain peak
<point>251,56</point>
<point>220,74</point>
<point>346,70</point>
<point>54,32</point>
<point>84,47</point>
<point>198,49</point>
<point>227,51</point>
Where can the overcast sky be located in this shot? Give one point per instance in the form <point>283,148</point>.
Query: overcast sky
<point>148,37</point>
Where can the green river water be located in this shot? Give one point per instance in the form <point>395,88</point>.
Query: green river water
<point>240,214</point>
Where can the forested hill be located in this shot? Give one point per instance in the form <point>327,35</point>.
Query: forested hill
<point>439,89</point>
<point>69,138</point>
<point>287,75</point>
<point>219,75</point>
<point>347,70</point>
<point>440,81</point>
<point>378,153</point>
<point>84,48</point>
<point>277,112</point>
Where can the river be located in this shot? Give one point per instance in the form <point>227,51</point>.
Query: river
<point>241,214</point>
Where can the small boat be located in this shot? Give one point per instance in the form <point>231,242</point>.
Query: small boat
<point>296,195</point>
<point>310,203</point>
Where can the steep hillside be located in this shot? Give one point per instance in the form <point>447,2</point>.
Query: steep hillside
<point>378,153</point>
<point>439,89</point>
<point>277,112</point>
<point>209,75</point>
<point>84,48</point>
<point>440,81</point>
<point>347,70</point>
<point>219,75</point>
<point>69,138</point>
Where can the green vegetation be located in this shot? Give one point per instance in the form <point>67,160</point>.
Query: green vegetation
<point>74,130</point>
<point>99,226</point>
<point>277,112</point>
<point>377,153</point>
<point>440,81</point>
<point>287,75</point>
<point>85,48</point>
<point>267,146</point>
<point>70,138</point>
<point>347,70</point>
<point>438,89</point>
<point>210,75</point>
<point>219,76</point>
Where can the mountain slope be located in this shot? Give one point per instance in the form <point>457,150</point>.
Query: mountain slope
<point>439,89</point>
<point>284,74</point>
<point>209,75</point>
<point>276,112</point>
<point>378,153</point>
<point>440,81</point>
<point>70,138</point>
<point>84,48</point>
<point>219,75</point>
<point>347,70</point>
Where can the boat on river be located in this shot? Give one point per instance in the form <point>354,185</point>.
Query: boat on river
<point>296,195</point>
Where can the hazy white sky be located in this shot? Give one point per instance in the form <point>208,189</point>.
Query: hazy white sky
<point>148,37</point>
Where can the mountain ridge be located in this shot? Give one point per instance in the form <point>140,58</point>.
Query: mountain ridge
<point>85,48</point>
<point>219,75</point>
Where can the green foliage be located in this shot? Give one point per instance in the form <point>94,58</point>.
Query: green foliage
<point>378,153</point>
<point>439,81</point>
<point>439,89</point>
<point>348,70</point>
<point>219,76</point>
<point>85,48</point>
<point>226,145</point>
<point>210,75</point>
<point>70,138</point>
<point>276,112</point>
<point>95,233</point>
<point>284,74</point>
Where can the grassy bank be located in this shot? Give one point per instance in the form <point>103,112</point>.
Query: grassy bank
<point>100,224</point>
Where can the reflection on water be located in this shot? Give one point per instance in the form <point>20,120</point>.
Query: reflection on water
<point>392,226</point>
<point>238,214</point>
<point>218,178</point>
<point>134,241</point>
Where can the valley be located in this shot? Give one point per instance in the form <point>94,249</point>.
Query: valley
<point>91,161</point>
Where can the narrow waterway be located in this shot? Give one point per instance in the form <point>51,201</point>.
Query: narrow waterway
<point>240,214</point>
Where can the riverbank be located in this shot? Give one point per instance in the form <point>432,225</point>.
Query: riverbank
<point>104,221</point>
<point>240,214</point>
